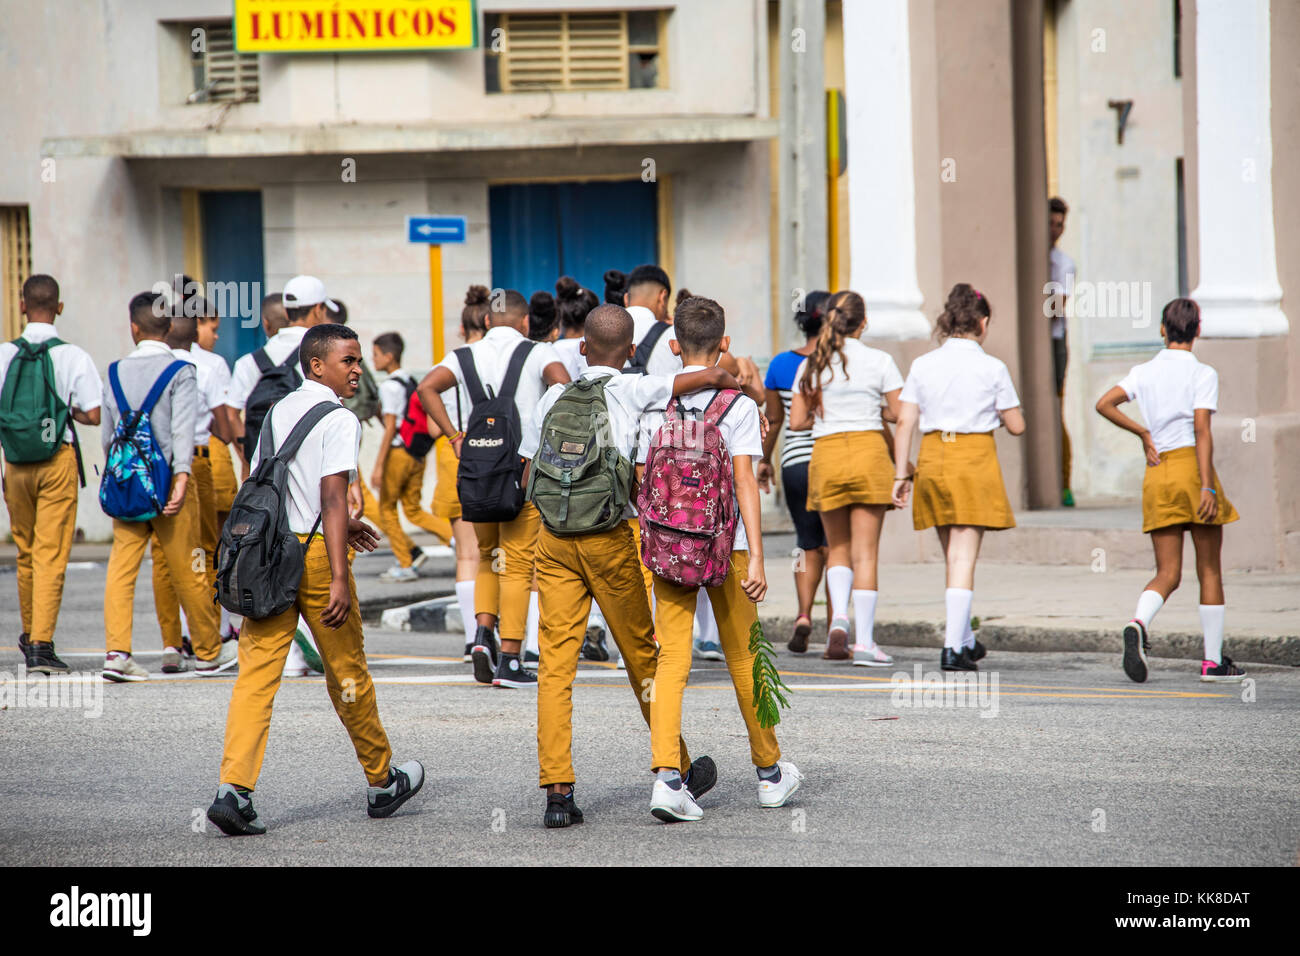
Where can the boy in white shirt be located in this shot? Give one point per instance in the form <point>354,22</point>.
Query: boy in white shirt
<point>701,341</point>
<point>319,476</point>
<point>1181,489</point>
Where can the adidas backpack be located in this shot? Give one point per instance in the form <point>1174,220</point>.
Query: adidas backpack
<point>259,560</point>
<point>580,481</point>
<point>33,418</point>
<point>274,383</point>
<point>489,478</point>
<point>414,427</point>
<point>687,500</point>
<point>137,480</point>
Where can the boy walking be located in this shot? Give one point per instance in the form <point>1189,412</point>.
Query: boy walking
<point>700,341</point>
<point>41,475</point>
<point>319,476</point>
<point>399,467</point>
<point>132,380</point>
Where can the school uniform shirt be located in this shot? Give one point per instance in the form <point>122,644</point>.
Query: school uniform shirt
<point>852,390</point>
<point>571,355</point>
<point>1061,270</point>
<point>392,399</point>
<point>246,373</point>
<point>959,388</point>
<point>172,418</point>
<point>75,377</point>
<point>1169,389</point>
<point>217,368</point>
<point>333,446</point>
<point>740,430</point>
<point>491,355</point>
<point>208,396</point>
<point>782,379</point>
<point>662,361</point>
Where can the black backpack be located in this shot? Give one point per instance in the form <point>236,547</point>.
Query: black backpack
<point>275,383</point>
<point>489,479</point>
<point>259,560</point>
<point>641,357</point>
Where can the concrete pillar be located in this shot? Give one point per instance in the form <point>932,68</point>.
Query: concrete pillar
<point>802,195</point>
<point>1238,290</point>
<point>882,186</point>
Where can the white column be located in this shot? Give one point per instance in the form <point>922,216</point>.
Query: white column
<point>1238,292</point>
<point>882,188</point>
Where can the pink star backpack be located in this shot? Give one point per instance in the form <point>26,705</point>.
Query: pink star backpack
<point>687,500</point>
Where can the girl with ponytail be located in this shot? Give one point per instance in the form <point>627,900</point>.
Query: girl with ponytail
<point>841,386</point>
<point>959,395</point>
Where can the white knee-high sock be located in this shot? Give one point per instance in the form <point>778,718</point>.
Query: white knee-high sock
<point>864,612</point>
<point>968,636</point>
<point>1149,603</point>
<point>533,613</point>
<point>225,621</point>
<point>1212,625</point>
<point>185,622</point>
<point>704,618</point>
<point>957,601</point>
<point>465,601</point>
<point>839,582</point>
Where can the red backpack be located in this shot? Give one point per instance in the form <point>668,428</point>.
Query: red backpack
<point>414,429</point>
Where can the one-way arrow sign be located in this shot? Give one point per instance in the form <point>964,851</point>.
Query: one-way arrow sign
<point>439,229</point>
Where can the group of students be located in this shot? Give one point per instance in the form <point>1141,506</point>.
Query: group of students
<point>540,446</point>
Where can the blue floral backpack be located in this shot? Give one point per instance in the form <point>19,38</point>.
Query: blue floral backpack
<point>137,479</point>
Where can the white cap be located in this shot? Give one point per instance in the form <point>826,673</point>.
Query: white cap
<point>303,291</point>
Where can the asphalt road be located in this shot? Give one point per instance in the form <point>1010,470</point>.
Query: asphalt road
<point>1075,765</point>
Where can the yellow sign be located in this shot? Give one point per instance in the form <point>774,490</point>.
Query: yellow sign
<point>345,26</point>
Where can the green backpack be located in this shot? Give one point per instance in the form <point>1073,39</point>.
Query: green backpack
<point>33,418</point>
<point>580,482</point>
<point>365,403</point>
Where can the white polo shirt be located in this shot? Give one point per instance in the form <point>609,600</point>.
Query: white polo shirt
<point>662,360</point>
<point>1169,389</point>
<point>740,430</point>
<point>209,395</point>
<point>491,356</point>
<point>959,388</point>
<point>1061,270</point>
<point>330,448</point>
<point>392,398</point>
<point>216,366</point>
<point>75,376</point>
<point>852,390</point>
<point>278,347</point>
<point>569,350</point>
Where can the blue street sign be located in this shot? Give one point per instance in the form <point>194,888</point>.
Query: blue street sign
<point>439,229</point>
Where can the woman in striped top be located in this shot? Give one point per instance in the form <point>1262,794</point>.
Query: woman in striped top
<point>796,452</point>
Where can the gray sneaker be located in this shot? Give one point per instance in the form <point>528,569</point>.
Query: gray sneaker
<point>123,669</point>
<point>173,660</point>
<point>226,658</point>
<point>404,782</point>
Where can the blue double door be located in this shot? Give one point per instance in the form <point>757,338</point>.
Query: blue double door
<point>231,223</point>
<point>541,231</point>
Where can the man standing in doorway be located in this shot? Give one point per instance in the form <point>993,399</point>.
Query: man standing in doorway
<point>1061,270</point>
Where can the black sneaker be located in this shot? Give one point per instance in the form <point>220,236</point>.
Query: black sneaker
<point>41,658</point>
<point>484,655</point>
<point>532,660</point>
<point>1225,671</point>
<point>977,652</point>
<point>958,660</point>
<point>701,777</point>
<point>418,557</point>
<point>233,812</point>
<point>404,782</point>
<point>593,645</point>
<point>512,673</point>
<point>561,811</point>
<point>22,642</point>
<point>1136,646</point>
<point>469,652</point>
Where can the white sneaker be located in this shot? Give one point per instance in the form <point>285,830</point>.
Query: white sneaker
<point>871,656</point>
<point>399,573</point>
<point>673,806</point>
<point>621,665</point>
<point>295,665</point>
<point>774,793</point>
<point>226,658</point>
<point>121,670</point>
<point>173,660</point>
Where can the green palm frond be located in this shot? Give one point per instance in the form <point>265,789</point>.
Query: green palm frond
<point>768,686</point>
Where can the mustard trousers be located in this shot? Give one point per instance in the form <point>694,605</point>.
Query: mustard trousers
<point>507,558</point>
<point>42,501</point>
<point>404,485</point>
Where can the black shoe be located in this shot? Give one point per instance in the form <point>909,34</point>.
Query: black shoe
<point>484,655</point>
<point>469,652</point>
<point>1135,651</point>
<point>958,660</point>
<point>233,812</point>
<point>511,673</point>
<point>532,660</point>
<point>701,777</point>
<point>404,782</point>
<point>42,660</point>
<point>593,645</point>
<point>977,652</point>
<point>561,811</point>
<point>23,643</point>
<point>418,557</point>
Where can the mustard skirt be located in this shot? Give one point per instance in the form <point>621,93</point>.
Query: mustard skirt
<point>959,481</point>
<point>1171,492</point>
<point>850,468</point>
<point>224,483</point>
<point>446,503</point>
